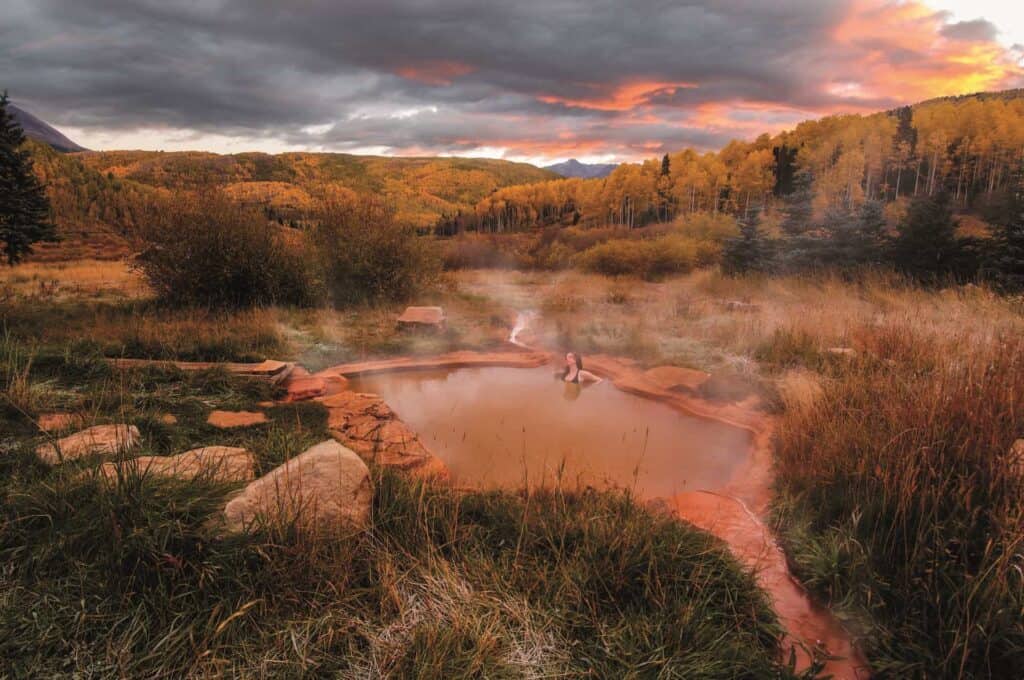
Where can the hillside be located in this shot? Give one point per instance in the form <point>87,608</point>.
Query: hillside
<point>969,147</point>
<point>98,195</point>
<point>36,129</point>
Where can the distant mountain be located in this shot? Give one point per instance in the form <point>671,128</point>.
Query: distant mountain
<point>573,168</point>
<point>42,132</point>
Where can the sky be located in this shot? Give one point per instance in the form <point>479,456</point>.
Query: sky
<point>531,80</point>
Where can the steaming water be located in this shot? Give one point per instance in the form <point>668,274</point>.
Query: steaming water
<point>523,320</point>
<point>506,426</point>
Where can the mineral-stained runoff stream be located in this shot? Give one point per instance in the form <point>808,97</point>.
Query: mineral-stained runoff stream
<point>510,427</point>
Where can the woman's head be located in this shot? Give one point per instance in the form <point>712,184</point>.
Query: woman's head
<point>572,359</point>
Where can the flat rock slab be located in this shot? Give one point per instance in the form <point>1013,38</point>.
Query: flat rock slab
<point>99,439</point>
<point>367,425</point>
<point>424,317</point>
<point>307,387</point>
<point>230,419</point>
<point>327,487</point>
<point>216,463</point>
<point>57,422</point>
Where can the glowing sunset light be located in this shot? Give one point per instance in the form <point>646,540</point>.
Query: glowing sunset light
<point>515,79</point>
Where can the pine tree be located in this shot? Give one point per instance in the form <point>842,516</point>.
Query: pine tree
<point>798,210</point>
<point>664,187</point>
<point>1005,261</point>
<point>750,251</point>
<point>24,207</point>
<point>927,246</point>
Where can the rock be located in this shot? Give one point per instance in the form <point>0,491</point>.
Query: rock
<point>422,317</point>
<point>99,439</point>
<point>327,487</point>
<point>220,463</point>
<point>310,387</point>
<point>362,426</point>
<point>168,419</point>
<point>359,403</point>
<point>55,422</point>
<point>432,468</point>
<point>229,419</point>
<point>844,352</point>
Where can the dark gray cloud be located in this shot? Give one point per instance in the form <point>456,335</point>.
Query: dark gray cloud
<point>974,31</point>
<point>438,75</point>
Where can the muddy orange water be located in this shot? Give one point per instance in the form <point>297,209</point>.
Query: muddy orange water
<point>503,427</point>
<point>506,426</point>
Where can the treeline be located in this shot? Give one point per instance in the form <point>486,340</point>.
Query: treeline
<point>926,244</point>
<point>968,147</point>
<point>288,187</point>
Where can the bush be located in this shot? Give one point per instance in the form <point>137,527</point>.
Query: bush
<point>648,259</point>
<point>368,256</point>
<point>203,250</point>
<point>475,252</point>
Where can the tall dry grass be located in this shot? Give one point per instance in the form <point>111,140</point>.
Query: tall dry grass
<point>899,500</point>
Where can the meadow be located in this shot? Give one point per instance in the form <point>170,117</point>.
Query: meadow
<point>896,493</point>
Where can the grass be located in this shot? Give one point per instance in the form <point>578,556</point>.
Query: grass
<point>896,501</point>
<point>133,579</point>
<point>128,580</point>
<point>900,506</point>
<point>140,329</point>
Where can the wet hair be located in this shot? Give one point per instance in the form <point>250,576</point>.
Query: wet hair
<point>579,363</point>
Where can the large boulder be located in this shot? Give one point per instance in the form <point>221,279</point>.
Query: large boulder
<point>325,488</point>
<point>99,439</point>
<point>219,463</point>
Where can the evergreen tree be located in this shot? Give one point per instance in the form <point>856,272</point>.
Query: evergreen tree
<point>664,187</point>
<point>24,207</point>
<point>927,246</point>
<point>750,251</point>
<point>1005,261</point>
<point>785,170</point>
<point>798,210</point>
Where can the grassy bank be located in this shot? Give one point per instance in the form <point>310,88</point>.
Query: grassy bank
<point>900,503</point>
<point>133,580</point>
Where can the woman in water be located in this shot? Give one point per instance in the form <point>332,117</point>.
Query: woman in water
<point>574,372</point>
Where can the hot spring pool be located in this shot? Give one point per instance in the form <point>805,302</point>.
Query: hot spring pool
<point>506,426</point>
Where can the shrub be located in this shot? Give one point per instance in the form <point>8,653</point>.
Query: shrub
<point>369,256</point>
<point>203,250</point>
<point>648,259</point>
<point>703,226</point>
<point>475,252</point>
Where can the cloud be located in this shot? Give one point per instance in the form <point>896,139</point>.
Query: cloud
<point>624,78</point>
<point>977,30</point>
